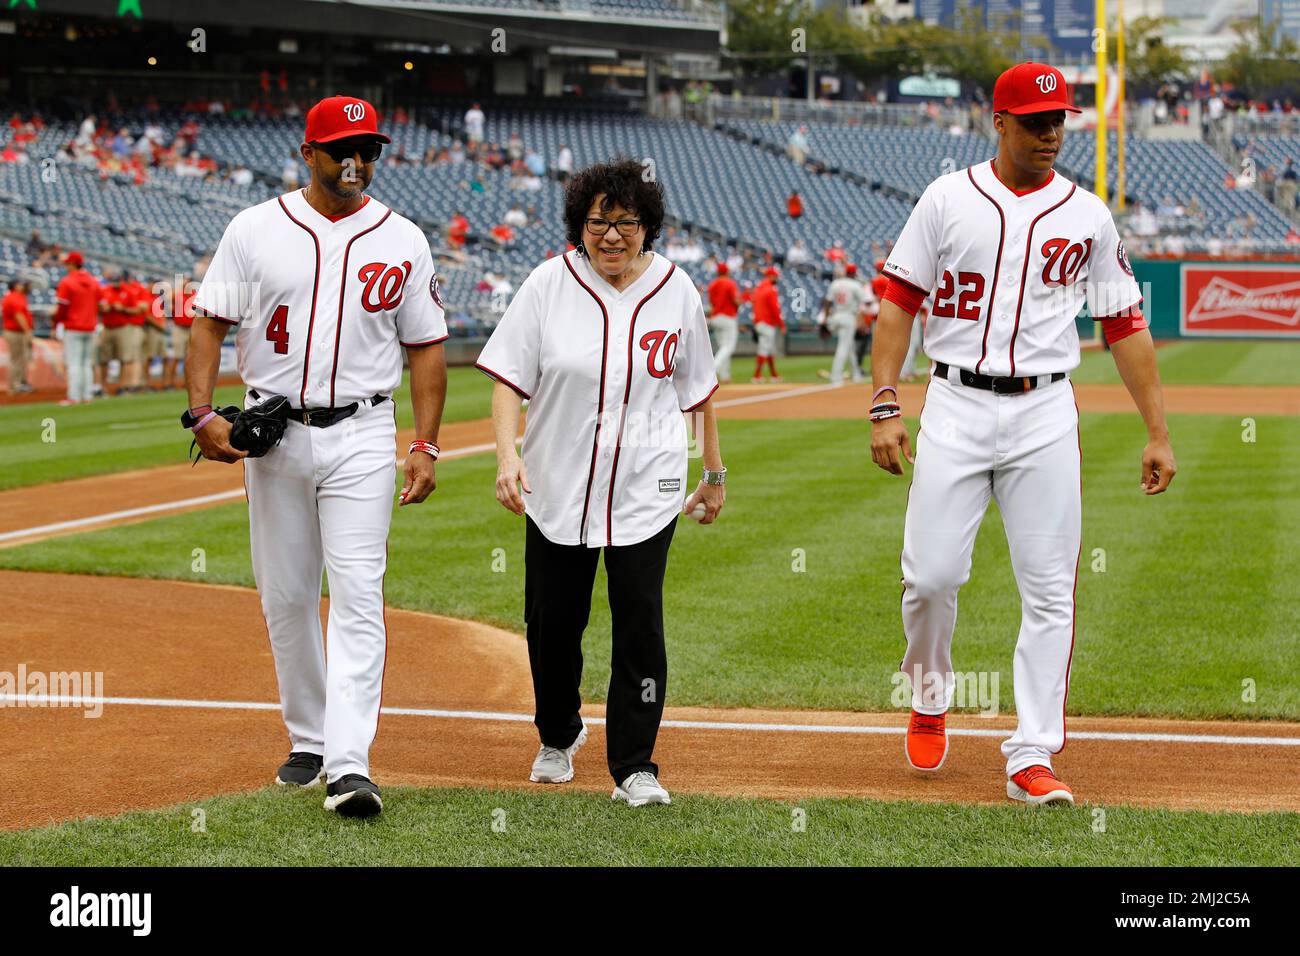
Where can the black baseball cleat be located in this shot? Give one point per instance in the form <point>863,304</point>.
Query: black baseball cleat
<point>353,795</point>
<point>301,770</point>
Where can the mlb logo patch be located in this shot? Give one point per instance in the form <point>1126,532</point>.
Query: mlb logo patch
<point>667,485</point>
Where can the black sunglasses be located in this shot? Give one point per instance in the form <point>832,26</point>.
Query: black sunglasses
<point>366,150</point>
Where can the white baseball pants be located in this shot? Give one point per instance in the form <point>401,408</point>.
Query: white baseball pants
<point>724,332</point>
<point>843,327</point>
<point>766,340</point>
<point>913,347</point>
<point>78,359</point>
<point>1023,451</point>
<point>322,500</point>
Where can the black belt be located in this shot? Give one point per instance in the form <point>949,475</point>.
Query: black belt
<point>1003,385</point>
<point>324,417</point>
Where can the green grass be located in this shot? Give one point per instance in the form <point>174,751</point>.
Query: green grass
<point>1197,593</point>
<point>143,431</point>
<point>1224,362</point>
<point>455,827</point>
<point>1186,362</point>
<point>140,431</point>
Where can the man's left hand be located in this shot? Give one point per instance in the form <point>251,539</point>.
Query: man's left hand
<point>419,478</point>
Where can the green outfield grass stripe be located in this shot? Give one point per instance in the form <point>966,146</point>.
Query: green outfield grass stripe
<point>166,506</point>
<point>74,700</point>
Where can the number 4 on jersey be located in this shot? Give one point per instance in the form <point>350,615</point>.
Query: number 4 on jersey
<point>278,330</point>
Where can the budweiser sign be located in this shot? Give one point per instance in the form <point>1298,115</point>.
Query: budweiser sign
<point>1241,300</point>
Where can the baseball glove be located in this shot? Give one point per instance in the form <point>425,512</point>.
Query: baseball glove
<point>255,430</point>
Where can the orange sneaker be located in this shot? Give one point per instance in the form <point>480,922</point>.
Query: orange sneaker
<point>927,741</point>
<point>1037,784</point>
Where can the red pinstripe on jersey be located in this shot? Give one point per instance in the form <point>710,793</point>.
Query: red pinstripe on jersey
<point>1024,271</point>
<point>627,394</point>
<point>997,267</point>
<point>600,400</point>
<point>343,285</point>
<point>315,287</point>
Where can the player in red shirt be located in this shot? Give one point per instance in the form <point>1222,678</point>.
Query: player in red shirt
<point>724,303</point>
<point>18,335</point>
<point>122,337</point>
<point>154,323</point>
<point>176,305</point>
<point>767,323</point>
<point>76,319</point>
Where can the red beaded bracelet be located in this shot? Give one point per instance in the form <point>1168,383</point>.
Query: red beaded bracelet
<point>428,447</point>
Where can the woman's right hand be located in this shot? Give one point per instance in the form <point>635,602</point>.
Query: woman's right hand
<point>510,475</point>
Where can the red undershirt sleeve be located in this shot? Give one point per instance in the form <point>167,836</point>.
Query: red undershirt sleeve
<point>906,297</point>
<point>1116,328</point>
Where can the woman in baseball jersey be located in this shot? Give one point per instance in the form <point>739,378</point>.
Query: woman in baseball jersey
<point>609,344</point>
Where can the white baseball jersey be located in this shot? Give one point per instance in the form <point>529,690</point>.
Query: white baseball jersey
<point>1010,271</point>
<point>320,305</point>
<point>846,297</point>
<point>608,375</point>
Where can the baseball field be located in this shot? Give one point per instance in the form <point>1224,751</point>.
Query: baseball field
<point>783,739</point>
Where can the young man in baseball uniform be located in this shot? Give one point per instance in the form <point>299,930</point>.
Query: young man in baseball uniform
<point>842,308</point>
<point>1012,251</point>
<point>325,286</point>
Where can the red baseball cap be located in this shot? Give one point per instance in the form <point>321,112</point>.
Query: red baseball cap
<point>722,268</point>
<point>771,272</point>
<point>851,269</point>
<point>338,117</point>
<point>74,258</point>
<point>880,265</point>
<point>1032,88</point>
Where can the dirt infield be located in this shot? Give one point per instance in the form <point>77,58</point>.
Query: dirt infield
<point>176,741</point>
<point>192,699</point>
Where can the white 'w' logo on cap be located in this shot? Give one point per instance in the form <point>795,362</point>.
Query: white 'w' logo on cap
<point>1047,82</point>
<point>355,111</point>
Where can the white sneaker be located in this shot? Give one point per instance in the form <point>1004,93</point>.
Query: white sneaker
<point>641,788</point>
<point>554,765</point>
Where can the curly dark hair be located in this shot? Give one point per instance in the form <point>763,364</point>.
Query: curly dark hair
<point>624,182</point>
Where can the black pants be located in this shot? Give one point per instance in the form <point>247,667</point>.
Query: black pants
<point>558,579</point>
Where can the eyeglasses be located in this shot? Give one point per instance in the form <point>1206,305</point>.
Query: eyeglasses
<point>366,150</point>
<point>626,227</point>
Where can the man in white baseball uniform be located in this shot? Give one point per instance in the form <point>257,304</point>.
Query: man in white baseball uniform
<point>1012,251</point>
<point>842,308</point>
<point>325,287</point>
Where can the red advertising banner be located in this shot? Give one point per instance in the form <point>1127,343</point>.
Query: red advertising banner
<point>1241,300</point>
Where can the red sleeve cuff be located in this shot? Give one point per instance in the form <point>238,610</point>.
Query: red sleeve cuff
<point>1116,328</point>
<point>701,401</point>
<point>502,379</point>
<point>213,315</point>
<point>419,345</point>
<point>904,295</point>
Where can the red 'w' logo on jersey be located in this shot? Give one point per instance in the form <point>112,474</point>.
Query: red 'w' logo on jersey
<point>385,285</point>
<point>662,349</point>
<point>1064,260</point>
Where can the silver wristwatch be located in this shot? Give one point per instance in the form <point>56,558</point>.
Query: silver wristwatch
<point>715,477</point>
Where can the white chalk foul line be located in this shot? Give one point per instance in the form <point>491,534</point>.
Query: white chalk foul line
<point>73,700</point>
<point>166,506</point>
<point>772,396</point>
<point>163,507</point>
